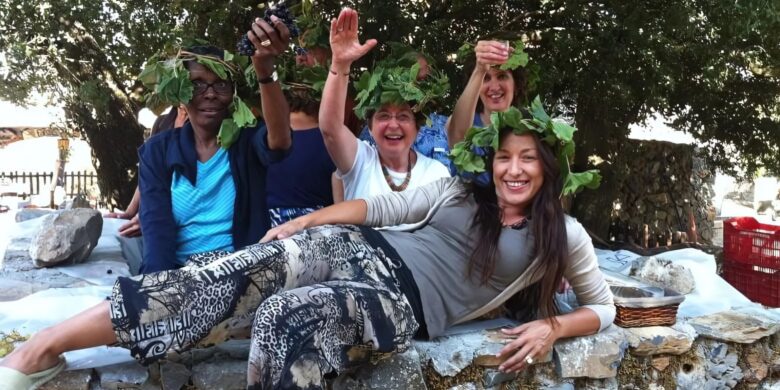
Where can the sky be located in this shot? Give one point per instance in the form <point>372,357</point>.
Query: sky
<point>12,115</point>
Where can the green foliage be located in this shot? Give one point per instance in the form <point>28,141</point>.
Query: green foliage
<point>168,81</point>
<point>713,66</point>
<point>470,156</point>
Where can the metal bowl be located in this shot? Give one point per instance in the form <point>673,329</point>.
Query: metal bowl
<point>645,297</point>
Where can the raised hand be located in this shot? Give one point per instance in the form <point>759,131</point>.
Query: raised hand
<point>269,40</point>
<point>491,53</point>
<point>344,42</point>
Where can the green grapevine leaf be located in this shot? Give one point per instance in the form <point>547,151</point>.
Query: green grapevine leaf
<point>242,115</point>
<point>228,133</point>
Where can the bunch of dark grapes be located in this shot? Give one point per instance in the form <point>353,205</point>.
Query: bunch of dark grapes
<point>245,46</point>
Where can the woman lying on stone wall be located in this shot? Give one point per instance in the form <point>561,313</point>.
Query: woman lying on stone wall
<point>325,292</point>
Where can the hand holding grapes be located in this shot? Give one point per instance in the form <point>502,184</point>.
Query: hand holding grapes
<point>269,37</point>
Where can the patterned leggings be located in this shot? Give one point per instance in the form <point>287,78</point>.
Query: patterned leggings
<point>321,301</point>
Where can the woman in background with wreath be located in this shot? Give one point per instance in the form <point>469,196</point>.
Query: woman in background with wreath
<point>394,102</point>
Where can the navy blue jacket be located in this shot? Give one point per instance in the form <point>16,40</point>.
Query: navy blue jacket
<point>174,150</point>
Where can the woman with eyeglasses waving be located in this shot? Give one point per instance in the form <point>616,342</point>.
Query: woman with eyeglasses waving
<point>203,185</point>
<point>394,117</point>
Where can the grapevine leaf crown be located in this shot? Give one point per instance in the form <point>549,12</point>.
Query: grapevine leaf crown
<point>394,81</point>
<point>471,155</point>
<point>167,80</point>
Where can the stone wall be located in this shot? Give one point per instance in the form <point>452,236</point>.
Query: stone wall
<point>661,186</point>
<point>699,354</point>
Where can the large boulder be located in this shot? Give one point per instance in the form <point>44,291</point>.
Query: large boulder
<point>66,237</point>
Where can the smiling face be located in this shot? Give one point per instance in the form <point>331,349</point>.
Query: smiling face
<point>394,129</point>
<point>498,90</point>
<point>518,173</point>
<point>206,110</point>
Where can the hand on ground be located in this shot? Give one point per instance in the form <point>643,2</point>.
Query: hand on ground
<point>132,228</point>
<point>533,339</point>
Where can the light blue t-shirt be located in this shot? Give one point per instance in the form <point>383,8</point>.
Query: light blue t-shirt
<point>203,213</point>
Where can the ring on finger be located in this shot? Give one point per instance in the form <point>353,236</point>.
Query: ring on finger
<point>529,359</point>
<point>265,43</point>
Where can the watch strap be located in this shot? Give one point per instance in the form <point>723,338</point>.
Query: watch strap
<point>270,79</point>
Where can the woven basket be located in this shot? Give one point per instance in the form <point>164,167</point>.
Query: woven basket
<point>637,307</point>
<point>631,317</point>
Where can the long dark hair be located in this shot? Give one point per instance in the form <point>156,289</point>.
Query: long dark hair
<point>548,226</point>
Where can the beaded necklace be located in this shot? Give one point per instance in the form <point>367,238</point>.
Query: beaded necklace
<point>389,179</point>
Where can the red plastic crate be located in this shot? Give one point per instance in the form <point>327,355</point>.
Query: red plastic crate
<point>751,252</point>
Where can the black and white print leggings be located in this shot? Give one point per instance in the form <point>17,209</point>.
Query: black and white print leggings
<point>321,301</point>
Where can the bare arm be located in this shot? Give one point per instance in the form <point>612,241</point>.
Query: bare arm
<point>276,112</point>
<point>346,48</point>
<point>351,212</point>
<point>463,114</point>
<point>488,53</point>
<point>337,187</point>
<point>596,311</point>
<point>132,208</point>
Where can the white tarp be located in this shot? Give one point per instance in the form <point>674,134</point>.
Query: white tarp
<point>711,295</point>
<point>45,308</point>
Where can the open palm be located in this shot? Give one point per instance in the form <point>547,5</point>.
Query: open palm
<point>344,41</point>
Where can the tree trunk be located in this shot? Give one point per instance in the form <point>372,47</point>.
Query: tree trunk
<point>102,111</point>
<point>595,136</point>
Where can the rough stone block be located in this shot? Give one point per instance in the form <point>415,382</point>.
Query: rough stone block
<point>495,377</point>
<point>70,380</point>
<point>122,376</point>
<point>173,376</point>
<point>235,349</point>
<point>17,289</point>
<point>397,372</point>
<point>660,362</point>
<point>663,273</point>
<point>594,356</point>
<point>712,366</point>
<point>451,354</point>
<point>653,340</point>
<point>222,375</point>
<point>28,214</point>
<point>735,327</point>
<point>465,386</point>
<point>69,236</point>
<point>600,384</point>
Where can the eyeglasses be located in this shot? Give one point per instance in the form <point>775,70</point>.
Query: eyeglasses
<point>401,117</point>
<point>221,87</point>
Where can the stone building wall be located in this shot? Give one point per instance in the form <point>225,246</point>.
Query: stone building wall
<point>661,185</point>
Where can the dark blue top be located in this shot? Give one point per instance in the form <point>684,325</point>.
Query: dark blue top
<point>303,178</point>
<point>174,150</point>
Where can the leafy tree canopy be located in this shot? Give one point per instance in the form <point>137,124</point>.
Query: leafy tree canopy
<point>713,66</point>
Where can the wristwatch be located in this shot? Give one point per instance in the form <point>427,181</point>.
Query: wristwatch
<point>270,79</point>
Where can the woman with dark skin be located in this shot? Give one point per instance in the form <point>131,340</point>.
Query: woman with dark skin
<point>184,212</point>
